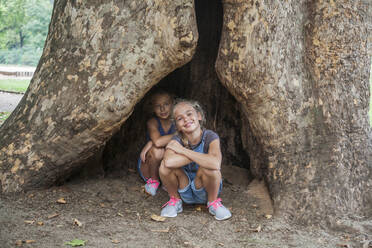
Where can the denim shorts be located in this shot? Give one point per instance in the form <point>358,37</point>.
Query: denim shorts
<point>191,195</point>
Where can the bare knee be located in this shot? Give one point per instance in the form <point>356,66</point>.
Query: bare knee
<point>212,174</point>
<point>163,170</point>
<point>156,153</point>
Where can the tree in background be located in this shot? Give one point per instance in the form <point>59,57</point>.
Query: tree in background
<point>23,29</point>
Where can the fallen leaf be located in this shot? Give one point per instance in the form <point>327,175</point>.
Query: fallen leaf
<point>18,242</point>
<point>31,195</point>
<point>121,215</point>
<point>258,229</point>
<point>268,216</point>
<point>198,208</point>
<point>40,223</point>
<point>115,241</point>
<point>77,222</point>
<point>30,241</point>
<point>221,244</point>
<point>76,242</point>
<point>102,205</point>
<point>52,216</point>
<point>343,245</point>
<point>29,222</point>
<point>61,201</point>
<point>254,206</point>
<point>161,230</point>
<point>157,218</point>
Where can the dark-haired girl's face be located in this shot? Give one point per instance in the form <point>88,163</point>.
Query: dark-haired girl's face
<point>162,105</point>
<point>186,118</point>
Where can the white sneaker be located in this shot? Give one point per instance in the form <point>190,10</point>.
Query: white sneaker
<point>219,211</point>
<point>172,207</point>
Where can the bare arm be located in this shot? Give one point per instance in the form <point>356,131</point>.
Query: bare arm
<point>157,140</point>
<point>211,160</point>
<point>174,160</point>
<point>144,151</point>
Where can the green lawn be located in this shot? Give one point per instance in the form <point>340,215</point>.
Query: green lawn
<point>3,116</point>
<point>16,85</point>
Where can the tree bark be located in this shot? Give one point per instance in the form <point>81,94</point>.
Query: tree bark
<point>196,80</point>
<point>300,70</point>
<point>99,60</point>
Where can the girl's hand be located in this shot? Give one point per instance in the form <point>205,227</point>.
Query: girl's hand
<point>175,146</point>
<point>145,150</point>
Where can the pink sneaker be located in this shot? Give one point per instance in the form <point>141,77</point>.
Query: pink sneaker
<point>152,186</point>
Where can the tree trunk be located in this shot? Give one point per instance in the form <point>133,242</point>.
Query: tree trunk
<point>196,80</point>
<point>99,60</point>
<point>300,70</point>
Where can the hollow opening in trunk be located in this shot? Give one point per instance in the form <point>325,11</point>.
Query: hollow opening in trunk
<point>196,80</point>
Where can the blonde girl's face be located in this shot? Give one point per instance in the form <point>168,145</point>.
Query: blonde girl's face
<point>186,118</point>
<point>162,105</point>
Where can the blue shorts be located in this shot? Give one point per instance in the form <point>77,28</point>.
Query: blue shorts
<point>191,195</point>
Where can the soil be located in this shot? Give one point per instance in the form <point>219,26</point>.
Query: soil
<point>115,212</point>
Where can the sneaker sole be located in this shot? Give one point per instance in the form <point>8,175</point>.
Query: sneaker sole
<point>224,218</point>
<point>169,216</point>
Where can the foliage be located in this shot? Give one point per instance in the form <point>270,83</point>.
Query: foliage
<point>76,242</point>
<point>17,85</point>
<point>3,116</point>
<point>23,29</point>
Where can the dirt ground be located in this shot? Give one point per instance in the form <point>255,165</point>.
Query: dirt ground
<point>115,212</point>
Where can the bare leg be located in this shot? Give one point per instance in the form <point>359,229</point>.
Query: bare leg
<point>155,157</point>
<point>173,179</point>
<point>145,169</point>
<point>210,180</point>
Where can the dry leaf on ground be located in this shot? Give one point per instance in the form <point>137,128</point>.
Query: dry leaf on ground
<point>115,241</point>
<point>61,201</point>
<point>257,229</point>
<point>30,241</point>
<point>157,218</point>
<point>53,215</point>
<point>29,222</point>
<point>40,223</point>
<point>77,222</point>
<point>161,230</point>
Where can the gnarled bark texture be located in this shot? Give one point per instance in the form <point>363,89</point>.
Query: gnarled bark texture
<point>98,62</point>
<point>300,71</point>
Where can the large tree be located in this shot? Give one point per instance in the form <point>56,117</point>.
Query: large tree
<point>298,70</point>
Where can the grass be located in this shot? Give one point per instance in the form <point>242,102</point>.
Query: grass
<point>3,116</point>
<point>14,85</point>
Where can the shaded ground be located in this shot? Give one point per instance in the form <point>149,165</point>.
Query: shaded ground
<point>115,212</point>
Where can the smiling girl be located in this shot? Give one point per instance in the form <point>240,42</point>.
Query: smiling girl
<point>190,169</point>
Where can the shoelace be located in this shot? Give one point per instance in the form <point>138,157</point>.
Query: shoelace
<point>153,183</point>
<point>172,202</point>
<point>215,204</point>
